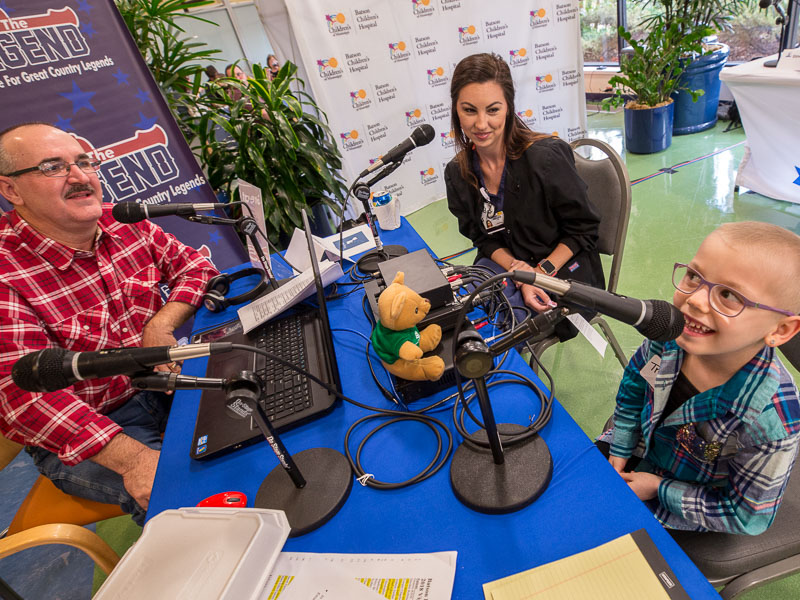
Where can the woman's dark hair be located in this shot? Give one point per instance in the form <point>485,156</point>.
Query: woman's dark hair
<point>481,68</point>
<point>212,73</point>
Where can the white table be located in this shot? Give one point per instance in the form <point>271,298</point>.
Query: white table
<point>769,106</point>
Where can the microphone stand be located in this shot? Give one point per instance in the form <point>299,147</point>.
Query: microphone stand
<point>309,500</point>
<point>368,263</point>
<point>499,480</point>
<point>781,20</point>
<point>246,226</point>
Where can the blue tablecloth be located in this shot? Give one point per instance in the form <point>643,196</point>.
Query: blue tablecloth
<point>585,505</point>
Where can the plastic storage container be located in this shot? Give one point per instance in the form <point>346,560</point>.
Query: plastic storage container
<point>200,554</point>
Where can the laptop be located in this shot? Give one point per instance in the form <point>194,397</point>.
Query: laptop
<point>302,336</point>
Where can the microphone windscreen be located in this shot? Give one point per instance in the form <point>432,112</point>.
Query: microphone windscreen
<point>423,134</point>
<point>41,371</point>
<point>128,212</point>
<point>665,324</point>
<point>764,3</point>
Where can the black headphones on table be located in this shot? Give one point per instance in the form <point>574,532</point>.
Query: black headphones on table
<point>214,298</point>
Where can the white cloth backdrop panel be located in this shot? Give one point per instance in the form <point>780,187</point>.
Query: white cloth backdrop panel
<point>379,68</point>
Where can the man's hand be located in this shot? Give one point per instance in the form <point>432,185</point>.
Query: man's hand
<point>135,462</point>
<point>644,485</point>
<point>159,330</point>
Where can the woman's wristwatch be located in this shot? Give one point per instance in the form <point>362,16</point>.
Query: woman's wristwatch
<point>547,267</point>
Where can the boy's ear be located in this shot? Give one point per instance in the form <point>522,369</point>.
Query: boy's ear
<point>784,331</point>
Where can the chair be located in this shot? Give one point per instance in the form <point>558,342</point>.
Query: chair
<point>791,351</point>
<point>49,516</point>
<point>609,191</point>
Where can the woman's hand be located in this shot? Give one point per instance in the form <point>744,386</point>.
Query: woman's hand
<point>536,298</point>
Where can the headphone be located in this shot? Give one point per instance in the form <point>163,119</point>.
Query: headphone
<point>214,298</point>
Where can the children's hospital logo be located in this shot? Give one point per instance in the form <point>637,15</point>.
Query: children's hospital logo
<point>447,138</point>
<point>428,176</point>
<point>468,35</point>
<point>329,68</point>
<point>528,117</point>
<point>414,117</point>
<point>436,77</point>
<point>539,18</point>
<point>518,57</point>
<point>545,83</point>
<point>350,140</point>
<point>359,99</point>
<point>398,51</point>
<point>422,8</point>
<point>337,24</point>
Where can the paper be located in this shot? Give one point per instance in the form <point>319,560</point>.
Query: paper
<point>623,569</point>
<point>290,293</point>
<point>391,576</point>
<point>251,195</point>
<point>355,241</point>
<point>595,339</point>
<point>297,252</point>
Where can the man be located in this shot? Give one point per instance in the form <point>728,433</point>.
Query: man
<point>71,276</point>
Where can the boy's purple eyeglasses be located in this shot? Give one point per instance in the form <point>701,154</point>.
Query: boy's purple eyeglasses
<point>726,301</point>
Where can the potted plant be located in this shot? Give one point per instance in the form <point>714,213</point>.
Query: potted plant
<point>700,69</point>
<point>649,75</point>
<point>275,138</point>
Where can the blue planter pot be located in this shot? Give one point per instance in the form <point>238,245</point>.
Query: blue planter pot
<point>701,73</point>
<point>648,130</point>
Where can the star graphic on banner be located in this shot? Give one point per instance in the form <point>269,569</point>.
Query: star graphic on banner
<point>121,77</point>
<point>214,237</point>
<point>79,99</point>
<point>65,124</point>
<point>4,7</point>
<point>84,6</point>
<point>797,181</point>
<point>143,96</point>
<point>88,30</point>
<point>145,122</point>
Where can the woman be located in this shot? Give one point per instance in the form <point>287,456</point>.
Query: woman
<point>273,65</point>
<point>516,193</point>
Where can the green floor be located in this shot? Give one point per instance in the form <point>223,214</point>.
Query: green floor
<point>670,216</point>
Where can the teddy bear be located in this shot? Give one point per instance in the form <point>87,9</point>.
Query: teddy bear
<point>396,339</point>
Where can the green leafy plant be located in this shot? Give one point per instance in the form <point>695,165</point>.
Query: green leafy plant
<point>272,137</point>
<point>174,60</point>
<point>651,72</point>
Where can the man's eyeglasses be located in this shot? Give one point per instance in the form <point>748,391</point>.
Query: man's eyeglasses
<point>60,168</point>
<point>726,301</point>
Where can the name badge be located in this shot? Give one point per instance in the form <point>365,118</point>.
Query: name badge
<point>650,371</point>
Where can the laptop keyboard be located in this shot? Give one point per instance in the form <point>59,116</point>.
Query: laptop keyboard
<point>285,390</point>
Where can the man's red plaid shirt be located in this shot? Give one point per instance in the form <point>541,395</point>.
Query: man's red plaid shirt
<point>51,295</point>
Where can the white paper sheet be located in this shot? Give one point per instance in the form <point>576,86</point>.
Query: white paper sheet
<point>290,293</point>
<point>595,339</point>
<point>391,576</point>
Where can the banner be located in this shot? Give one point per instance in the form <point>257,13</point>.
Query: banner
<point>73,63</point>
<point>380,68</point>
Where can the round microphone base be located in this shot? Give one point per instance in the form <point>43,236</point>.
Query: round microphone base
<point>368,263</point>
<point>483,486</point>
<point>329,480</point>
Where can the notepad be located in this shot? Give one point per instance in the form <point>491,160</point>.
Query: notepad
<point>627,568</point>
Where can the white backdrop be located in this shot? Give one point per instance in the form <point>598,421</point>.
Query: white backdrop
<point>379,68</point>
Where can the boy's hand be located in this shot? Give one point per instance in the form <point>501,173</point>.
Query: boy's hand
<point>644,485</point>
<point>618,463</point>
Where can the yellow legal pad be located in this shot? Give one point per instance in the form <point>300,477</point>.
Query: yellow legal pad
<point>627,568</point>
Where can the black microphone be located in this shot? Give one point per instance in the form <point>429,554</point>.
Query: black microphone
<point>657,320</point>
<point>170,382</point>
<point>54,369</point>
<point>764,3</point>
<point>422,135</point>
<point>133,212</point>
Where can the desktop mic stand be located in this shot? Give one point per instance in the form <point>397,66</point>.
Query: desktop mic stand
<point>368,263</point>
<point>246,226</point>
<point>499,480</point>
<point>309,500</point>
<point>781,20</point>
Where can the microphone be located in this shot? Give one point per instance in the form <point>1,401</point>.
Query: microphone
<point>657,320</point>
<point>169,382</point>
<point>54,369</point>
<point>422,135</point>
<point>133,212</point>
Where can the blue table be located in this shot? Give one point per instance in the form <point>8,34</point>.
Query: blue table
<point>585,505</point>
